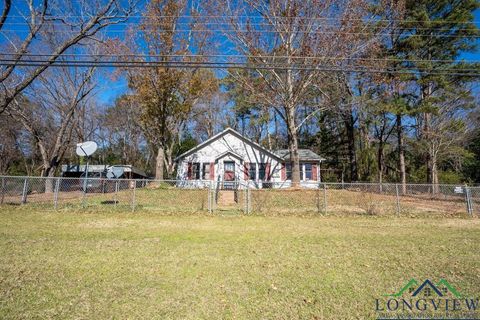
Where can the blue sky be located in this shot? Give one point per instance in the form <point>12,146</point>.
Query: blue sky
<point>474,55</point>
<point>111,88</point>
<point>115,88</point>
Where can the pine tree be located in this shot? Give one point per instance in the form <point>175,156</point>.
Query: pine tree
<point>435,33</point>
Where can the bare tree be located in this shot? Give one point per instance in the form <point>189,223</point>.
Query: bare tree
<point>77,22</point>
<point>48,113</point>
<point>448,129</point>
<point>293,36</point>
<point>10,149</point>
<point>121,131</point>
<point>6,9</point>
<point>167,95</point>
<point>208,115</point>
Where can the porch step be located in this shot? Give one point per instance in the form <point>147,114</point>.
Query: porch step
<point>226,198</point>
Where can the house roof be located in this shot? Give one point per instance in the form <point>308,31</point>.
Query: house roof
<point>304,155</point>
<point>228,153</point>
<point>223,133</point>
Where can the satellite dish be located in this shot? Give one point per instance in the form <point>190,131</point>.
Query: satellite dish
<point>86,149</point>
<point>115,172</point>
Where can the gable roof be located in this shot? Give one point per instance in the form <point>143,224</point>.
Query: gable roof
<point>223,133</point>
<point>228,153</point>
<point>304,155</point>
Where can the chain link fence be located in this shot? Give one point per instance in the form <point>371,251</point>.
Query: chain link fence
<point>174,196</point>
<point>473,198</point>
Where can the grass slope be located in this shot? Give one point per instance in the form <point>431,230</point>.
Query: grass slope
<point>143,265</point>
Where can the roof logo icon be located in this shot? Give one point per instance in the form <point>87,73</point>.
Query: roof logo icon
<point>428,288</point>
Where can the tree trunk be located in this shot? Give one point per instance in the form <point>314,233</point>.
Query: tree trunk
<point>430,162</point>
<point>275,121</point>
<point>364,165</point>
<point>426,135</point>
<point>49,169</point>
<point>380,163</point>
<point>434,173</point>
<point>293,146</point>
<point>49,165</point>
<point>269,140</point>
<point>352,158</point>
<point>49,181</point>
<point>294,159</point>
<point>401,154</point>
<point>159,164</point>
<point>170,163</point>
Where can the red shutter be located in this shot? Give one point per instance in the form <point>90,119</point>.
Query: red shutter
<point>212,171</point>
<point>284,172</point>
<point>267,172</point>
<point>189,171</point>
<point>314,172</point>
<point>246,167</point>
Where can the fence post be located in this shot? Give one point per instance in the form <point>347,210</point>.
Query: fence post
<point>472,200</point>
<point>55,193</point>
<point>134,194</point>
<point>209,197</point>
<point>212,197</point>
<point>249,201</point>
<point>84,197</point>
<point>398,199</point>
<point>468,200</point>
<point>325,198</point>
<point>318,198</point>
<point>2,198</point>
<point>245,197</point>
<point>24,193</point>
<point>116,193</point>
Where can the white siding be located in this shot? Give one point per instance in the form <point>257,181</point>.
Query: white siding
<point>229,147</point>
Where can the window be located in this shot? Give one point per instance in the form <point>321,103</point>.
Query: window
<point>261,171</point>
<point>301,171</point>
<point>308,171</point>
<point>196,171</point>
<point>252,171</point>
<point>229,166</point>
<point>288,171</point>
<point>427,292</point>
<point>206,171</point>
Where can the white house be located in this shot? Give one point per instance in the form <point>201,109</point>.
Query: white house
<point>229,158</point>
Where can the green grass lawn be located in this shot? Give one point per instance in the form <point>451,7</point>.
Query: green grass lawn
<point>146,265</point>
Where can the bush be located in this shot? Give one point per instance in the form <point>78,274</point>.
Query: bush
<point>450,177</point>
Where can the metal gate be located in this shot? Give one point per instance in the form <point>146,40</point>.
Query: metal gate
<point>230,196</point>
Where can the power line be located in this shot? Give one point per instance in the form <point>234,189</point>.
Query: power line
<point>196,22</point>
<point>217,65</point>
<point>239,56</point>
<point>438,21</point>
<point>272,65</point>
<point>268,32</point>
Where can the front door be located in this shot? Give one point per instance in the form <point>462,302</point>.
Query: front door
<point>229,171</point>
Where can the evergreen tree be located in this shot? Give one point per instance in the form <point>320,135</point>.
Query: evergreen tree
<point>435,33</point>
